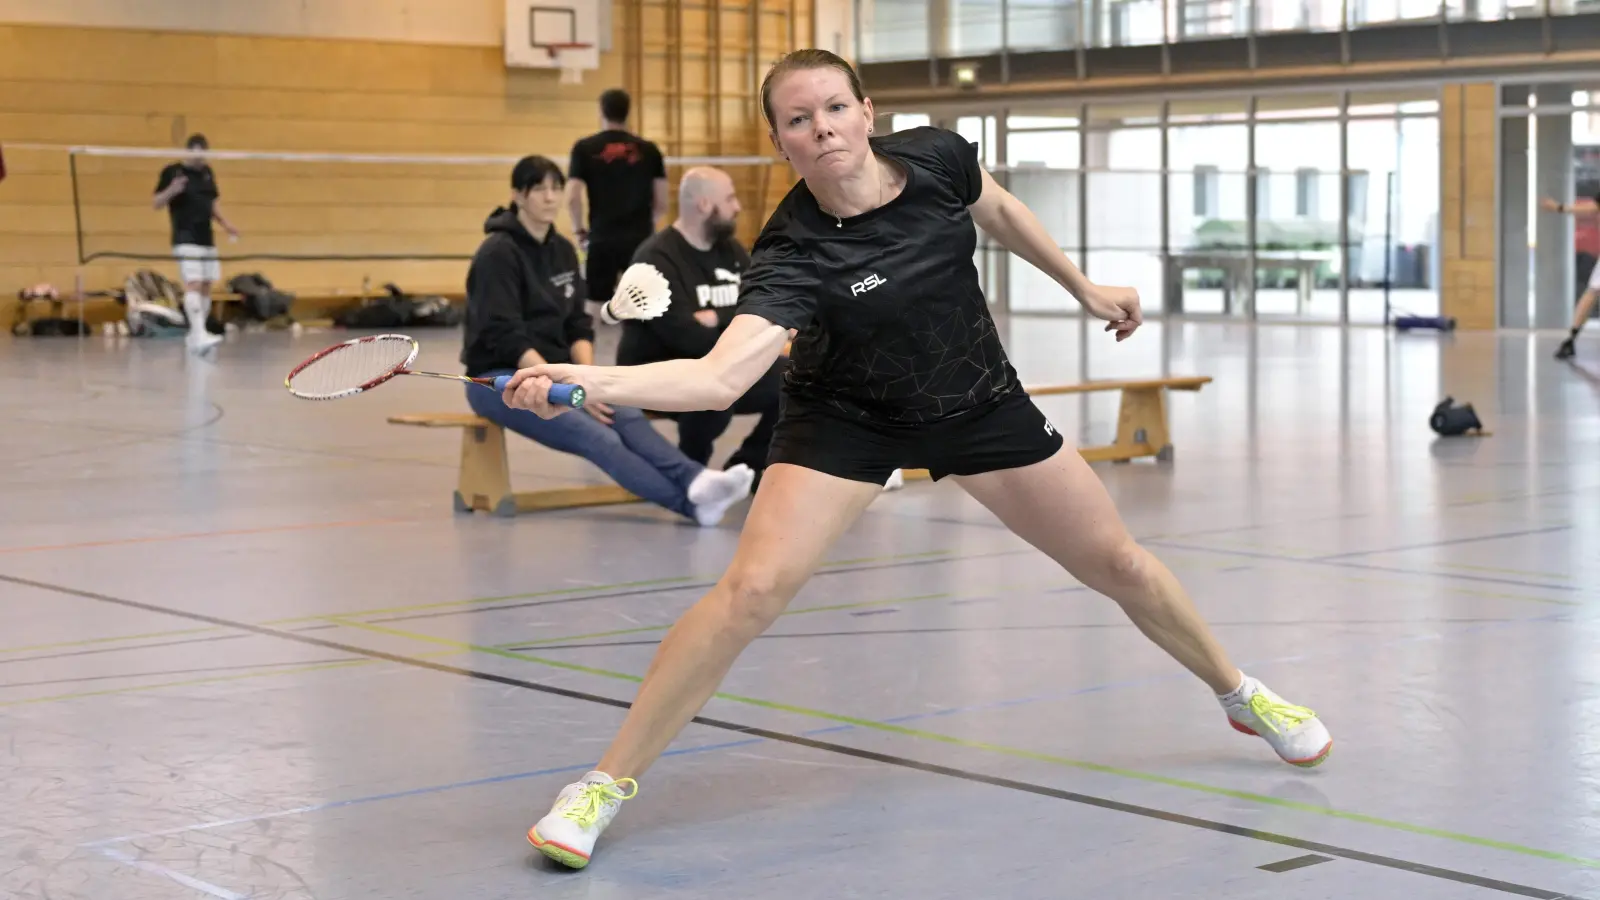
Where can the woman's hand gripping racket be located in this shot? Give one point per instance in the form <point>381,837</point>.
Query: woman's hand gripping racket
<point>360,364</point>
<point>642,293</point>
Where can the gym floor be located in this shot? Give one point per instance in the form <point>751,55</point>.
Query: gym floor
<point>247,649</point>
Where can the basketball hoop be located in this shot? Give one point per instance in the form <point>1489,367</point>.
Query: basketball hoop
<point>567,57</point>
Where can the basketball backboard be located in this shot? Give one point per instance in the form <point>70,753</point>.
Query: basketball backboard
<point>534,27</point>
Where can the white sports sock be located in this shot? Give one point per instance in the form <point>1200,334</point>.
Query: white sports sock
<point>1239,694</point>
<point>196,307</point>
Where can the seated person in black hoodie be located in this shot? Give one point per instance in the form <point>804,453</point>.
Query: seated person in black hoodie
<point>701,260</point>
<point>525,305</point>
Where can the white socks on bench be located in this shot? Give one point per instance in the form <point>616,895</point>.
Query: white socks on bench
<point>712,492</point>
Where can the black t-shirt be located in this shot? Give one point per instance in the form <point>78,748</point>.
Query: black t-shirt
<point>190,211</point>
<point>619,170</point>
<point>893,324</point>
<point>700,280</point>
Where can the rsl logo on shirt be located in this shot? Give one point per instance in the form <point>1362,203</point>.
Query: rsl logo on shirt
<point>722,294</point>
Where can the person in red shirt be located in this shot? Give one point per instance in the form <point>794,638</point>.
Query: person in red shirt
<point>1587,213</point>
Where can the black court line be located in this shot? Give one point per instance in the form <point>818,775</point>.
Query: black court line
<point>1160,815</point>
<point>988,629</point>
<point>1299,862</point>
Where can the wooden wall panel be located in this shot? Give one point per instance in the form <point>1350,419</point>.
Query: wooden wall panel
<point>63,86</point>
<point>1468,132</point>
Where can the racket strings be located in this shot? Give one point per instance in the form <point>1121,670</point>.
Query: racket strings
<point>351,367</point>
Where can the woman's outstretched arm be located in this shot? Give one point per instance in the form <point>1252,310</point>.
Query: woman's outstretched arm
<point>1009,221</point>
<point>746,350</point>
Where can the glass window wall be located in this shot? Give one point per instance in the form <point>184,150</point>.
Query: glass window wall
<point>1296,206</point>
<point>890,30</point>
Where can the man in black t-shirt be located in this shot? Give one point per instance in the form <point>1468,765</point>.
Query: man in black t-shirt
<point>188,190</point>
<point>701,260</point>
<point>624,178</point>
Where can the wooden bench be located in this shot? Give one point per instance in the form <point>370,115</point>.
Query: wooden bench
<point>1141,420</point>
<point>484,482</point>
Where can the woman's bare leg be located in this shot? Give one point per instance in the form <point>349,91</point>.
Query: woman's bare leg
<point>1580,315</point>
<point>1061,507</point>
<point>796,516</point>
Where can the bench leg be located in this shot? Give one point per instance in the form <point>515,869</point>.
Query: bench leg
<point>1142,423</point>
<point>485,479</point>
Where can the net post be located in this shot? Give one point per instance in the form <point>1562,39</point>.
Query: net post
<point>77,206</point>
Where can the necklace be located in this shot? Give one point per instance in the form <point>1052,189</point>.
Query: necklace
<point>839,222</point>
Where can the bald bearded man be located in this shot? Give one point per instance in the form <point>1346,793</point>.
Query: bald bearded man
<point>702,262</point>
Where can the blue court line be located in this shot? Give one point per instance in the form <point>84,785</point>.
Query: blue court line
<point>830,729</point>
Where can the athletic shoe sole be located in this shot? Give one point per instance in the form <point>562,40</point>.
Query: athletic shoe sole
<point>564,855</point>
<point>1307,763</point>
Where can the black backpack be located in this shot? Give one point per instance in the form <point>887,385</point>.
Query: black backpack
<point>262,301</point>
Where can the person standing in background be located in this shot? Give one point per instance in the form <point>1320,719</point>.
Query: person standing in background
<point>624,179</point>
<point>1583,209</point>
<point>188,190</point>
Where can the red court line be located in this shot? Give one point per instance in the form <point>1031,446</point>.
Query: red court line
<point>194,535</point>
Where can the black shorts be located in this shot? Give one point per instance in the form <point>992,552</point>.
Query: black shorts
<point>607,259</point>
<point>1008,434</point>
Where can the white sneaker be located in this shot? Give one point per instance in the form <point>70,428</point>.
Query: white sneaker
<point>712,492</point>
<point>200,342</point>
<point>897,480</point>
<point>581,812</point>
<point>1294,732</point>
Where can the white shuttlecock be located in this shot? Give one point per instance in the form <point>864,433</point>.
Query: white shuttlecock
<point>642,293</point>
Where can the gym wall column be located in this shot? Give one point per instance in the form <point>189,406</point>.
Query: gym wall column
<point>1514,274</point>
<point>1468,134</point>
<point>1553,256</point>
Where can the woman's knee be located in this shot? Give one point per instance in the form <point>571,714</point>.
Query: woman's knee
<point>1118,569</point>
<point>757,594</point>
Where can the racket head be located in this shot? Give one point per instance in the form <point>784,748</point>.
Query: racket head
<point>350,367</point>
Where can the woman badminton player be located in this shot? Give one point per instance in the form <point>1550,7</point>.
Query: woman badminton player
<point>896,363</point>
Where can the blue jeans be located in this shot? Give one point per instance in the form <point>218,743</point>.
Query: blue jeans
<point>631,451</point>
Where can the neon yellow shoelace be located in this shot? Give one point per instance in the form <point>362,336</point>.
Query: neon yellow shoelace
<point>586,806</point>
<point>1274,713</point>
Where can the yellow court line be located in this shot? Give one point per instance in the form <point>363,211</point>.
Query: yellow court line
<point>215,679</point>
<point>1017,752</point>
<point>677,579</point>
<point>1548,576</point>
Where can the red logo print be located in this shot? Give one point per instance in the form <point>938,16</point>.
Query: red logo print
<point>619,151</point>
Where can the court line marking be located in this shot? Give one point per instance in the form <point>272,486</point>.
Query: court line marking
<point>601,589</point>
<point>1347,564</point>
<point>190,682</point>
<point>675,582</point>
<point>200,535</point>
<point>204,887</point>
<point>907,763</point>
<point>89,642</point>
<point>1015,752</point>
<point>1450,542</point>
<point>127,676</point>
<point>1299,862</point>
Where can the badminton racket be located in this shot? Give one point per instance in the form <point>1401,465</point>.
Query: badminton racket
<point>363,363</point>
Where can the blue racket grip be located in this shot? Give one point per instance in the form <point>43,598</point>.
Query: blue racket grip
<point>560,394</point>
